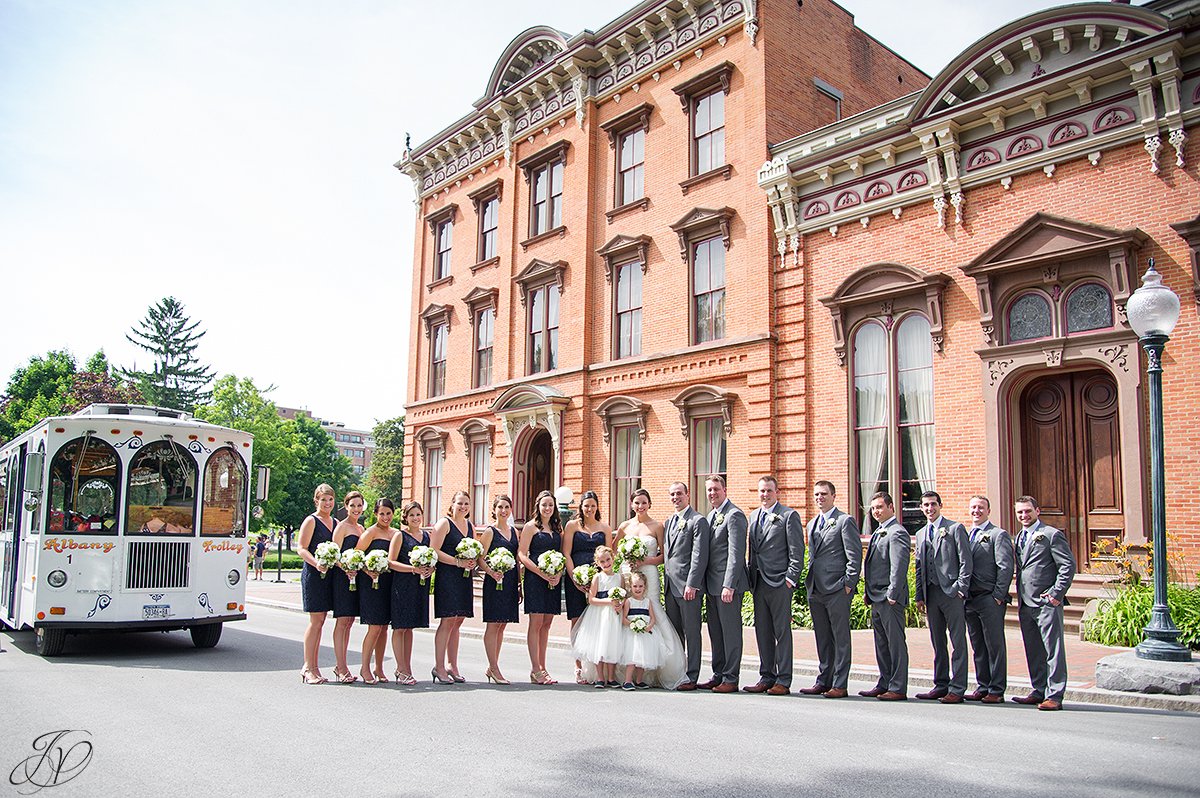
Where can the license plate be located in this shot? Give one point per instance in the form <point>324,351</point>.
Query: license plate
<point>150,611</point>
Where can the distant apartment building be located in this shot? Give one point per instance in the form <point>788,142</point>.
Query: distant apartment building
<point>357,445</point>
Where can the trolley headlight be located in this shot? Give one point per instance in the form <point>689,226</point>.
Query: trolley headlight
<point>56,578</point>
<point>234,577</point>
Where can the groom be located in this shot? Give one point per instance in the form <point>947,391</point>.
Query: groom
<point>686,541</point>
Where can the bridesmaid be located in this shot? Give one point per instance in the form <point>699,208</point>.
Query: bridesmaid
<point>345,600</point>
<point>543,593</point>
<point>375,603</point>
<point>410,598</point>
<point>315,589</point>
<point>580,539</point>
<point>500,607</point>
<point>453,587</point>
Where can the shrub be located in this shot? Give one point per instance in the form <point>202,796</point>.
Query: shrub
<point>1119,621</point>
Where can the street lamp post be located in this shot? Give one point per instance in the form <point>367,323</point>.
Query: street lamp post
<point>1152,311</point>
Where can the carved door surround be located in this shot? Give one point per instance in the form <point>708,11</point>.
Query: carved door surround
<point>525,411</point>
<point>1051,255</point>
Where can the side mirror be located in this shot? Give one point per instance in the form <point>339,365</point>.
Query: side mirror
<point>264,484</point>
<point>34,463</point>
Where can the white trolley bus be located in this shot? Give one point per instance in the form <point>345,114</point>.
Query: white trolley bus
<point>123,517</point>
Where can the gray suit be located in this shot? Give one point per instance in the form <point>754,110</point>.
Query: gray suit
<point>834,564</point>
<point>686,558</point>
<point>944,568</point>
<point>885,577</point>
<point>776,558</point>
<point>1045,568</point>
<point>991,574</point>
<point>726,569</point>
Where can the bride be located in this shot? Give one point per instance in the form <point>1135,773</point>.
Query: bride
<point>651,532</point>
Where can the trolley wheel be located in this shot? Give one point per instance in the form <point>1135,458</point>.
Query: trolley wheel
<point>49,642</point>
<point>206,636</point>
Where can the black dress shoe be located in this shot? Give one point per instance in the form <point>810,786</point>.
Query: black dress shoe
<point>933,695</point>
<point>1033,699</point>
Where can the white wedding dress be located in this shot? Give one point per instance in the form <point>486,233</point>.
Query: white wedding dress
<point>653,587</point>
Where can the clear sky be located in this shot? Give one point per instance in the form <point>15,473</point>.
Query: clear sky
<point>238,156</point>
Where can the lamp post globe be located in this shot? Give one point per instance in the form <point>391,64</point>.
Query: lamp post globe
<point>1153,311</point>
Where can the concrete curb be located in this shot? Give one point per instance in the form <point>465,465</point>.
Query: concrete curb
<point>916,678</point>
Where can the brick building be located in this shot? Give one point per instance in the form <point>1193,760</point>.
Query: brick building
<point>356,445</point>
<point>952,266</point>
<point>594,273</point>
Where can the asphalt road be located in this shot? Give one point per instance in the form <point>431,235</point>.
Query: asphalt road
<point>163,717</point>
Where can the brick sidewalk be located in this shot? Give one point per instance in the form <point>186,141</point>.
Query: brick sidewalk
<point>1081,656</point>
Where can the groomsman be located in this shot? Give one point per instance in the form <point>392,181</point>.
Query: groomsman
<point>776,560</point>
<point>944,567</point>
<point>725,584</point>
<point>1045,570</point>
<point>834,565</point>
<point>686,541</point>
<point>885,577</point>
<point>991,574</point>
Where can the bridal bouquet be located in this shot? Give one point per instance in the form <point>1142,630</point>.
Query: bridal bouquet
<point>422,557</point>
<point>632,548</point>
<point>583,575</point>
<point>352,560</point>
<point>552,562</point>
<point>639,624</point>
<point>502,561</point>
<point>468,549</point>
<point>375,563</point>
<point>327,555</point>
<point>617,595</point>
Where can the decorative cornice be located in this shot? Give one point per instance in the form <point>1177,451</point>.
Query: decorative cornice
<point>1190,232</point>
<point>538,273</point>
<point>699,400</point>
<point>622,248</point>
<point>634,118</point>
<point>710,80</point>
<point>616,410</point>
<point>702,220</point>
<point>434,315</point>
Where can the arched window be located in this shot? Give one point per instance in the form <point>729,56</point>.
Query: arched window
<point>893,414</point>
<point>1029,317</point>
<point>162,491</point>
<point>223,512</point>
<point>85,484</point>
<point>1089,307</point>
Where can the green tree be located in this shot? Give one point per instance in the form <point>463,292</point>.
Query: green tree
<point>178,379</point>
<point>319,462</point>
<point>386,474</point>
<point>240,404</point>
<point>40,388</point>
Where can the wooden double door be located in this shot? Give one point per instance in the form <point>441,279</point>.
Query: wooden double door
<point>1071,456</point>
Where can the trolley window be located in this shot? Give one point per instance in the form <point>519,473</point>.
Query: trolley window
<point>162,491</point>
<point>223,512</point>
<point>84,488</point>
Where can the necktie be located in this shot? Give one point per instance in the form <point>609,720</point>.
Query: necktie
<point>974,534</point>
<point>931,533</point>
<point>1024,540</point>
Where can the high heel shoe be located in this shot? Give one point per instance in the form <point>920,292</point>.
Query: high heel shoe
<point>344,678</point>
<point>456,677</point>
<point>405,678</point>
<point>541,677</point>
<point>492,676</point>
<point>438,679</point>
<point>307,677</point>
<point>367,679</point>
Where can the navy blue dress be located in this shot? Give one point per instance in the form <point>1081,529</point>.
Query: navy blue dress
<point>583,552</point>
<point>539,596</point>
<point>345,600</point>
<point>410,598</point>
<point>453,592</point>
<point>317,592</point>
<point>502,606</point>
<point>375,604</point>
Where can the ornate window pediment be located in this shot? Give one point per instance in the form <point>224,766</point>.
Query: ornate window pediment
<point>481,298</point>
<point>431,438</point>
<point>1052,255</point>
<point>446,214</point>
<point>704,400</point>
<point>538,273</point>
<point>700,221</point>
<point>623,248</point>
<point>434,315</point>
<point>1190,232</point>
<point>886,291</point>
<point>622,410</point>
<point>477,430</point>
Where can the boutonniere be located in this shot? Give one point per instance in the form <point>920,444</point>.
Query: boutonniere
<point>942,534</point>
<point>985,538</point>
<point>719,519</point>
<point>1039,537</point>
<point>775,517</point>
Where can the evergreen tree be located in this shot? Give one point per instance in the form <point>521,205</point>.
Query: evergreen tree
<point>171,337</point>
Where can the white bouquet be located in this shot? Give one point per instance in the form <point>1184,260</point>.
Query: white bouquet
<point>352,560</point>
<point>327,555</point>
<point>639,624</point>
<point>422,557</point>
<point>583,575</point>
<point>552,562</point>
<point>375,563</point>
<point>617,595</point>
<point>468,549</point>
<point>502,561</point>
<point>632,548</point>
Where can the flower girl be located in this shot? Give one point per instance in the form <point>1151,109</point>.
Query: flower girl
<point>598,638</point>
<point>651,650</point>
